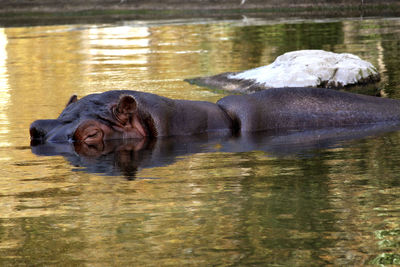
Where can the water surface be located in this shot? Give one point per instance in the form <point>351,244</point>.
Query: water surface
<point>273,200</point>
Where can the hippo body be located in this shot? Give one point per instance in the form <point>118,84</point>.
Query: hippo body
<point>136,115</point>
<point>300,108</point>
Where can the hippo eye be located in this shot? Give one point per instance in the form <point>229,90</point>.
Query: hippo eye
<point>89,132</point>
<point>93,134</point>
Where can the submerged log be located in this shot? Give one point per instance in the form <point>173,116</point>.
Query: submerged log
<point>304,68</point>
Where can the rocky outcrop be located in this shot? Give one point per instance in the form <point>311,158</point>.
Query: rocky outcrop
<point>304,68</point>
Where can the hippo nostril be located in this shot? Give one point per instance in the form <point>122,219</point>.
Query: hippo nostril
<point>40,128</point>
<point>36,133</point>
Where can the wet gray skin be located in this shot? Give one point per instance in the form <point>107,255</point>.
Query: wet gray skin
<point>137,115</point>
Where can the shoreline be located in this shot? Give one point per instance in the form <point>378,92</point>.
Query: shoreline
<point>47,12</point>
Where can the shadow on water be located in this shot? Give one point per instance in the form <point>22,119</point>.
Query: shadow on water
<point>127,157</point>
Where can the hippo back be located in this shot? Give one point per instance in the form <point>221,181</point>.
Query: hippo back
<point>298,108</point>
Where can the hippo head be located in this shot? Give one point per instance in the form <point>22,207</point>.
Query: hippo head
<point>92,120</point>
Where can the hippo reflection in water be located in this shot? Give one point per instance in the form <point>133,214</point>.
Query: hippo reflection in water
<point>127,157</point>
<point>136,115</point>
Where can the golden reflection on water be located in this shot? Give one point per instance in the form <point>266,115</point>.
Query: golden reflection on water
<point>220,208</point>
<point>4,90</point>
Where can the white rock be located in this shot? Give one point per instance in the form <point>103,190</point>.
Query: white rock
<point>313,68</point>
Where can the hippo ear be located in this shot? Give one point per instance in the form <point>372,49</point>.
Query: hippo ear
<point>73,99</point>
<point>126,105</point>
<point>125,109</point>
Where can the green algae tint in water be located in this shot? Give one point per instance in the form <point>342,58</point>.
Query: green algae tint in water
<point>194,202</point>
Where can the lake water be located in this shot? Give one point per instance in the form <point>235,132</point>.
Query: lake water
<point>327,197</point>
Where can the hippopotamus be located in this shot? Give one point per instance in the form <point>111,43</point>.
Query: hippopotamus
<point>124,114</point>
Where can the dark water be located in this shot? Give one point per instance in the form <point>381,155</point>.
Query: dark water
<point>293,199</point>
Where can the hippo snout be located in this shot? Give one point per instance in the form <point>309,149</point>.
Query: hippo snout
<point>39,129</point>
